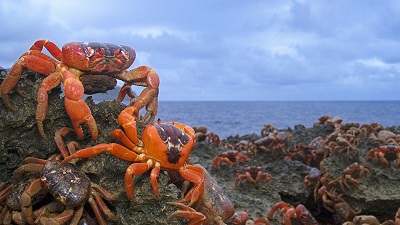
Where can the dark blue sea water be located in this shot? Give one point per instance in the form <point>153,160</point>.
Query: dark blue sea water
<point>228,118</point>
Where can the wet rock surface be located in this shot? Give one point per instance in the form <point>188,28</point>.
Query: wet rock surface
<point>378,194</point>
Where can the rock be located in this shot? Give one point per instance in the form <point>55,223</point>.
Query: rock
<point>20,138</point>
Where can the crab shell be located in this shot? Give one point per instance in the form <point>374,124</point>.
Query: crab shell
<point>169,143</point>
<point>96,57</point>
<point>215,205</point>
<point>67,183</point>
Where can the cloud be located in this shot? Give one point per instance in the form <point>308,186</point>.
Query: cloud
<point>215,50</point>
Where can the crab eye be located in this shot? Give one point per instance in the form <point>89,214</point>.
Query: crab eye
<point>125,54</point>
<point>89,52</point>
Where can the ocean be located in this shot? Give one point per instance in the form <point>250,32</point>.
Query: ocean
<point>230,118</point>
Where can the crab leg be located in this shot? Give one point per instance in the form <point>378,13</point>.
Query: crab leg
<point>61,218</point>
<point>5,193</point>
<point>50,46</point>
<point>26,200</point>
<point>29,167</point>
<point>136,169</point>
<point>120,135</point>
<point>194,174</point>
<point>76,108</point>
<point>126,90</point>
<point>60,142</point>
<point>280,205</point>
<point>5,215</point>
<point>48,83</point>
<point>114,149</point>
<point>34,60</point>
<point>194,217</point>
<point>147,77</point>
<point>127,119</point>
<point>100,204</point>
<point>96,211</point>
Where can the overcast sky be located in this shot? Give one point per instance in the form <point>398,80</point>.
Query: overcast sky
<point>230,50</point>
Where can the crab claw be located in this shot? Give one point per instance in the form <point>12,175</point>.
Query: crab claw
<point>127,119</point>
<point>194,217</point>
<point>76,108</point>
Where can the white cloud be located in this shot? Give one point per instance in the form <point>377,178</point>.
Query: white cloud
<point>257,50</point>
<point>377,63</point>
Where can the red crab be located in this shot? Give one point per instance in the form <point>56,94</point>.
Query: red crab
<point>341,145</point>
<point>69,186</point>
<point>316,178</point>
<point>230,157</point>
<point>253,174</point>
<point>350,175</point>
<point>246,146</point>
<point>334,202</point>
<point>276,140</point>
<point>213,207</point>
<point>385,153</point>
<point>304,154</point>
<point>289,212</point>
<point>75,60</point>
<point>201,134</point>
<point>386,137</point>
<point>165,146</point>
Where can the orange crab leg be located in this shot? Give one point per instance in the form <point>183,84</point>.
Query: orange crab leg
<point>382,159</point>
<point>48,83</point>
<point>193,174</point>
<point>76,108</point>
<point>155,172</point>
<point>50,46</point>
<point>33,60</point>
<point>136,169</point>
<point>147,77</point>
<point>114,149</point>
<point>262,220</point>
<point>127,119</point>
<point>194,217</point>
<point>290,213</point>
<point>121,136</point>
<point>280,205</point>
<point>250,178</point>
<point>126,90</point>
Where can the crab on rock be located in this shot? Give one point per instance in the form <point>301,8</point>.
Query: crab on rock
<point>165,146</point>
<point>213,206</point>
<point>385,153</point>
<point>230,157</point>
<point>289,212</point>
<point>69,186</point>
<point>253,174</point>
<point>350,175</point>
<point>77,59</point>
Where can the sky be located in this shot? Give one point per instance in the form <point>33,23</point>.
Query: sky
<point>230,50</point>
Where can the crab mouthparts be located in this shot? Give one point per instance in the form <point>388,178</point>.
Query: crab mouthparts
<point>173,153</point>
